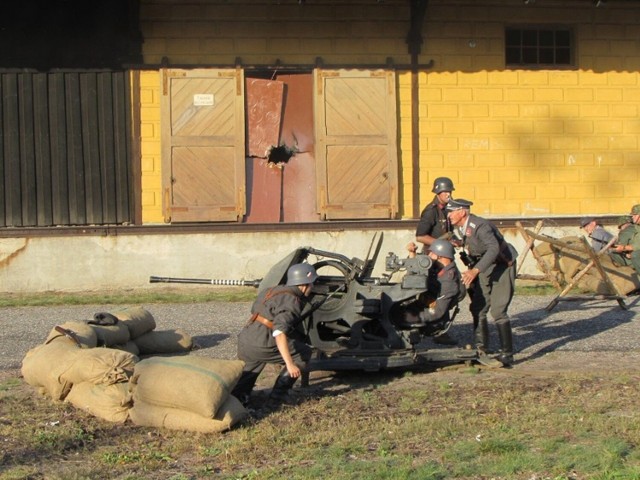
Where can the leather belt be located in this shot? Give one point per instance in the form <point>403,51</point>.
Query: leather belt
<point>267,323</point>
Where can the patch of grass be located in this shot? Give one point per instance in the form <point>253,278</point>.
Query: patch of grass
<point>197,294</point>
<point>436,425</point>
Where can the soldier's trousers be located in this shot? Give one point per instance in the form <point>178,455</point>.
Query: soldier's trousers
<point>256,357</point>
<point>492,293</point>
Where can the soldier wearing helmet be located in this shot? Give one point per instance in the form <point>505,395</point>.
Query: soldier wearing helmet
<point>491,275</point>
<point>272,334</point>
<point>445,285</point>
<point>433,222</point>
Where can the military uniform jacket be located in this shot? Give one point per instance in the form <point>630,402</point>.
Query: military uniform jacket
<point>486,244</point>
<point>634,237</point>
<point>283,306</point>
<point>450,291</point>
<point>433,220</point>
<point>599,238</point>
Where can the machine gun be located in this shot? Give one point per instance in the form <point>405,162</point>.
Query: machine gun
<point>355,320</point>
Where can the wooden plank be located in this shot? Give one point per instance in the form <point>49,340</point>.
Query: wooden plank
<point>28,199</point>
<point>106,147</point>
<point>42,149</point>
<point>90,148</point>
<point>12,184</point>
<point>3,125</point>
<point>76,193</point>
<point>59,167</point>
<point>123,159</point>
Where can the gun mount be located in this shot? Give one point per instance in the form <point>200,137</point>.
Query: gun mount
<point>354,320</point>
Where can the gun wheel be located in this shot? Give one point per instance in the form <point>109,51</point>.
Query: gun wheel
<point>335,276</point>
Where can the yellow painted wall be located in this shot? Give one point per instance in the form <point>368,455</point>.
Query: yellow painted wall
<point>150,147</point>
<point>524,142</point>
<point>516,142</point>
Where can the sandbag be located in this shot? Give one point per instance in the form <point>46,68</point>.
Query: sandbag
<point>44,365</point>
<point>109,335</point>
<point>195,384</point>
<point>109,402</point>
<point>100,366</point>
<point>83,332</point>
<point>148,415</point>
<point>138,320</point>
<point>164,341</point>
<point>130,347</point>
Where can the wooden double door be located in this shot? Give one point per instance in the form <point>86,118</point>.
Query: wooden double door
<point>345,165</point>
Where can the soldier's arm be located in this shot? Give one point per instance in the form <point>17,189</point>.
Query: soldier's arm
<point>282,342</point>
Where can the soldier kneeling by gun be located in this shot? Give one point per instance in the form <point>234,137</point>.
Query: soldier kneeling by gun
<point>447,287</point>
<point>271,334</point>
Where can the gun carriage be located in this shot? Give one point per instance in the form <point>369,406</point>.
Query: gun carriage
<point>354,320</point>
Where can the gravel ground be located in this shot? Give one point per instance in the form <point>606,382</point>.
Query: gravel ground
<point>592,333</point>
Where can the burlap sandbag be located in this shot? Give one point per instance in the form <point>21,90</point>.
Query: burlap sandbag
<point>138,320</point>
<point>109,402</point>
<point>85,334</point>
<point>44,365</point>
<point>195,384</point>
<point>109,335</point>
<point>100,366</point>
<point>164,341</point>
<point>147,415</point>
<point>130,347</point>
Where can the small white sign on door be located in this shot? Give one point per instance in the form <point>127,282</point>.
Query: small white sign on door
<point>203,100</point>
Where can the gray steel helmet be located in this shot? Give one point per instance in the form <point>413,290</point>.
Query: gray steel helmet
<point>301,274</point>
<point>442,248</point>
<point>442,184</point>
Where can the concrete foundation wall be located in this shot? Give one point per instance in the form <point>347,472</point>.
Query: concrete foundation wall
<point>93,263</point>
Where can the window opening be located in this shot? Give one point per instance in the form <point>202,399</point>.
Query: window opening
<point>538,46</point>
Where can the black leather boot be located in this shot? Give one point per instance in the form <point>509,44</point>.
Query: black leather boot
<point>480,334</point>
<point>244,387</point>
<point>506,342</point>
<point>281,388</point>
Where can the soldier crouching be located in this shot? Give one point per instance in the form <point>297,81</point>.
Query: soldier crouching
<point>272,336</point>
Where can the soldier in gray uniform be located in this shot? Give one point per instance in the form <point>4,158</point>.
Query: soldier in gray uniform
<point>272,334</point>
<point>598,235</point>
<point>491,276</point>
<point>445,284</point>
<point>433,221</point>
<point>433,224</point>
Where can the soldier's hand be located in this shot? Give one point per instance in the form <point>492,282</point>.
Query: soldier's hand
<point>293,370</point>
<point>469,276</point>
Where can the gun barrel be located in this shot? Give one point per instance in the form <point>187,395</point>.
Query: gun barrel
<point>205,281</point>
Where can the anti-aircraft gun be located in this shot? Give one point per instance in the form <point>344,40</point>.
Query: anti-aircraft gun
<point>355,321</point>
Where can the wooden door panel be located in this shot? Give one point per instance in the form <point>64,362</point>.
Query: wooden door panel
<point>201,176</point>
<point>356,144</point>
<point>192,120</point>
<point>357,172</point>
<point>203,168</point>
<point>353,106</point>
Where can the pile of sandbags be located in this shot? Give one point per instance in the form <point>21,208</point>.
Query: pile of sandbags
<point>91,365</point>
<point>186,393</point>
<point>66,371</point>
<point>566,258</point>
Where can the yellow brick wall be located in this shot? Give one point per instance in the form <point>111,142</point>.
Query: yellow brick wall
<point>528,143</point>
<point>150,147</point>
<point>216,32</point>
<point>516,142</point>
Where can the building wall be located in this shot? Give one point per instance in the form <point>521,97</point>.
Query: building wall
<point>532,143</point>
<point>516,142</point>
<point>150,147</point>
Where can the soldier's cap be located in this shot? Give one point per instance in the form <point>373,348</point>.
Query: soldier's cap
<point>584,221</point>
<point>623,220</point>
<point>458,204</point>
<point>635,210</point>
